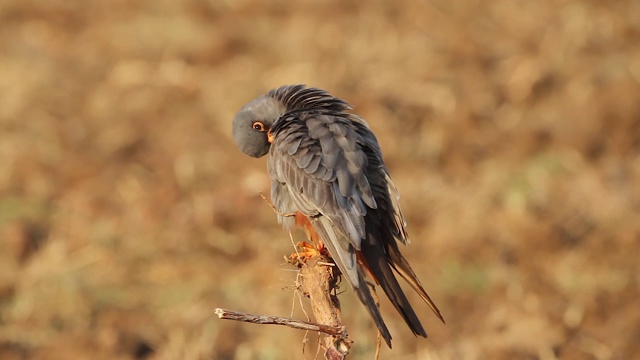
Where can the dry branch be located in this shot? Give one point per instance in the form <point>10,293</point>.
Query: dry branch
<point>317,280</point>
<point>277,320</point>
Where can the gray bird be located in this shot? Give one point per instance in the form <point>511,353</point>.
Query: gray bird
<point>326,167</point>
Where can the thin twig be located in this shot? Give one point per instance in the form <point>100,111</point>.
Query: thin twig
<point>297,294</point>
<point>286,258</point>
<point>277,320</point>
<point>325,263</point>
<point>379,337</point>
<point>273,207</point>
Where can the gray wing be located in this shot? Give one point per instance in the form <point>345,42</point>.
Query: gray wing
<point>317,167</point>
<point>329,167</point>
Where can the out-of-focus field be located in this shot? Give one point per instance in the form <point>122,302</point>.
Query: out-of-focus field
<point>511,128</point>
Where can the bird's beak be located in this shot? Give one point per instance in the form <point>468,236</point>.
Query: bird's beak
<point>270,137</point>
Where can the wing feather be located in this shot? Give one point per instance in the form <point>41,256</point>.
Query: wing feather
<point>316,163</point>
<point>329,167</point>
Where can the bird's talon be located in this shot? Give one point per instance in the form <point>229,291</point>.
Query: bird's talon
<point>306,251</point>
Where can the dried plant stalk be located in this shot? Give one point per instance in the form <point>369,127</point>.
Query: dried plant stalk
<point>318,282</point>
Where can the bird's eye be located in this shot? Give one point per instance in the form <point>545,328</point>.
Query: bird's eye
<point>258,126</point>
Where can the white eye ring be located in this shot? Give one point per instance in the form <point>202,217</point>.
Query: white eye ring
<point>257,125</point>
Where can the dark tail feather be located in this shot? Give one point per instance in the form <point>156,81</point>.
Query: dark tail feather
<point>367,299</point>
<point>361,288</point>
<point>401,265</point>
<point>376,262</point>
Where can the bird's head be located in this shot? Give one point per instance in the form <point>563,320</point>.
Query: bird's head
<point>253,122</point>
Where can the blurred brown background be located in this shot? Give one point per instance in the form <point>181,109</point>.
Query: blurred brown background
<point>511,128</point>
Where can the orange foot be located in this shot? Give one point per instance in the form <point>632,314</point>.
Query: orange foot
<point>305,251</point>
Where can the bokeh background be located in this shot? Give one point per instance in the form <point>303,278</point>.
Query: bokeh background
<point>511,128</point>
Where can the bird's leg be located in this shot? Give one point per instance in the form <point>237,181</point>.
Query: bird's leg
<point>314,247</point>
<point>307,251</point>
<point>274,208</point>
